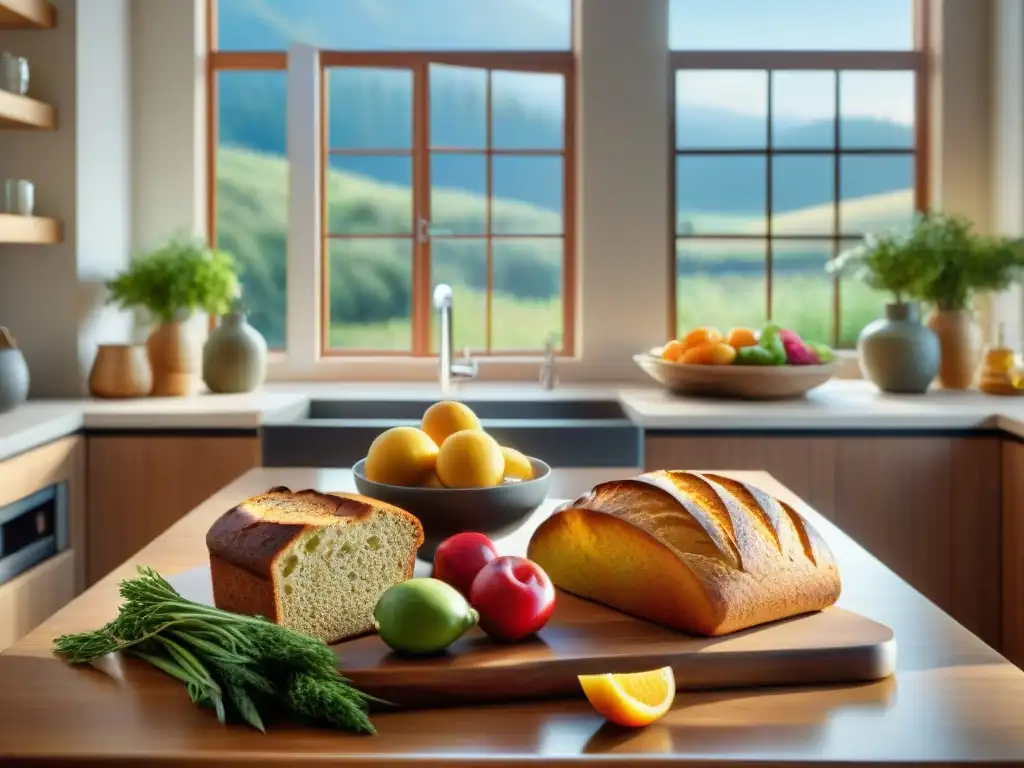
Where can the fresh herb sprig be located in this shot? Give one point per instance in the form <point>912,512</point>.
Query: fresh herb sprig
<point>239,665</point>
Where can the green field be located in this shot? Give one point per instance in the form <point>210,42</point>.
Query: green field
<point>370,280</point>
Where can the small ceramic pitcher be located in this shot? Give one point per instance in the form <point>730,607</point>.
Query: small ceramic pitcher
<point>14,378</point>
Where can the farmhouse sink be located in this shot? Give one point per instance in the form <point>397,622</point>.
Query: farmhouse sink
<point>564,433</point>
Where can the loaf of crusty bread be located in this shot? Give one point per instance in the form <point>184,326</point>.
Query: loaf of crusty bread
<point>314,562</point>
<point>700,553</point>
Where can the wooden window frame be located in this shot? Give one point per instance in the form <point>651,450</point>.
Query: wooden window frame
<point>916,60</point>
<point>418,62</point>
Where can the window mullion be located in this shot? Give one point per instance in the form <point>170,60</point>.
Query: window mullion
<point>305,233</point>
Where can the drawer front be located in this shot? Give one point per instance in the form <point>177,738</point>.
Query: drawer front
<point>29,599</point>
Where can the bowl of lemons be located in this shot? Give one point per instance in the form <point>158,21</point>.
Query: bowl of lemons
<point>452,475</point>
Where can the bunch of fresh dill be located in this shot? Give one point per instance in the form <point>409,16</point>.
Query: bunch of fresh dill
<point>236,664</point>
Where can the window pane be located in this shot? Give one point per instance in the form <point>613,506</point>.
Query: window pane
<point>252,192</point>
<point>858,305</point>
<point>526,308</point>
<point>720,283</point>
<point>462,264</point>
<point>876,191</point>
<point>803,194</point>
<point>369,108</point>
<point>527,195</point>
<point>721,194</point>
<point>877,110</point>
<point>721,109</point>
<point>370,289</point>
<point>803,110</point>
<point>458,204</point>
<point>458,107</point>
<point>369,195</point>
<point>819,25</point>
<point>527,110</point>
<point>801,288</point>
<point>395,25</point>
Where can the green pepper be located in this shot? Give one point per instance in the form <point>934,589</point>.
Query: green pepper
<point>823,351</point>
<point>770,340</point>
<point>755,355</point>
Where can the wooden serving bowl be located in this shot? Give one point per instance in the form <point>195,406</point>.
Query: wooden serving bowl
<point>742,382</point>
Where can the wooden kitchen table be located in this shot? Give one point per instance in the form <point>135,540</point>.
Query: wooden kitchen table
<point>953,699</point>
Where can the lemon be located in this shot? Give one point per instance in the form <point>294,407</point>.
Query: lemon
<point>432,481</point>
<point>446,418</point>
<point>401,456</point>
<point>517,466</point>
<point>470,459</point>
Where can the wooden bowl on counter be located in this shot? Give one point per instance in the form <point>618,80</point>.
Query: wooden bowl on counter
<point>735,382</point>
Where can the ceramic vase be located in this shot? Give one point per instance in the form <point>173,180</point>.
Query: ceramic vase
<point>171,350</point>
<point>234,356</point>
<point>961,346</point>
<point>898,353</point>
<point>120,371</point>
<point>14,378</point>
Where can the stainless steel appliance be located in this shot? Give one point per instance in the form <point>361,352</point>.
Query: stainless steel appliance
<point>33,529</point>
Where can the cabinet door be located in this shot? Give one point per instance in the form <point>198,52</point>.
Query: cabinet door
<point>1013,551</point>
<point>804,465</point>
<point>930,509</point>
<point>139,486</point>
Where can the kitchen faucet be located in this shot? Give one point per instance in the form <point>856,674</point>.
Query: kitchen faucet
<point>449,371</point>
<point>548,374</point>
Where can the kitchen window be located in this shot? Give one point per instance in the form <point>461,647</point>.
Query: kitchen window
<point>445,154</point>
<point>790,142</point>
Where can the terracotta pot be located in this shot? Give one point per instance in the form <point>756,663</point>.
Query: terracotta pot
<point>173,359</point>
<point>120,371</point>
<point>960,347</point>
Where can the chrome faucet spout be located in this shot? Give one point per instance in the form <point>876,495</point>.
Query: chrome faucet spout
<point>447,370</point>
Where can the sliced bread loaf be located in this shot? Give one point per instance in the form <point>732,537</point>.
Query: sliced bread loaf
<point>314,562</point>
<point>701,553</point>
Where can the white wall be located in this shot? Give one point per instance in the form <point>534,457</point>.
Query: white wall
<point>104,161</point>
<point>1007,158</point>
<point>51,297</point>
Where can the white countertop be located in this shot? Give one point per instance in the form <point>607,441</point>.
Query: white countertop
<point>838,405</point>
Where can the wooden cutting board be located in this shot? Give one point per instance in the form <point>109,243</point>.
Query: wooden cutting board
<point>833,646</point>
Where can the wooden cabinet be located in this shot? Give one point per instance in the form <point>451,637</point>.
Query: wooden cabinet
<point>1013,551</point>
<point>33,596</point>
<point>928,507</point>
<point>804,465</point>
<point>140,485</point>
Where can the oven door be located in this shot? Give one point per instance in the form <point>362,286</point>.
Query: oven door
<point>33,529</point>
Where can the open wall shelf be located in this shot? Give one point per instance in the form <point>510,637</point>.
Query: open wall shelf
<point>27,14</point>
<point>36,230</point>
<point>24,112</point>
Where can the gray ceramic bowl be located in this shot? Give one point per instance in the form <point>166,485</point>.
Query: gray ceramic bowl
<point>495,512</point>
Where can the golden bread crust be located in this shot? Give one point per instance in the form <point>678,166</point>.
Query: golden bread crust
<point>253,534</point>
<point>753,558</point>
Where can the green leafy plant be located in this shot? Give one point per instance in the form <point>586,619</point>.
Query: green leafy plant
<point>897,262</point>
<point>179,278</point>
<point>967,263</point>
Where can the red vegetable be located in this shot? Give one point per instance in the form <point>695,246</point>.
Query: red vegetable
<point>797,353</point>
<point>459,558</point>
<point>789,336</point>
<point>514,598</point>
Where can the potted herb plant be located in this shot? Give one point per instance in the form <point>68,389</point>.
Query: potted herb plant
<point>171,284</point>
<point>897,353</point>
<point>966,264</point>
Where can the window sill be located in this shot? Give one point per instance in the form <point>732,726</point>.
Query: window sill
<point>492,369</point>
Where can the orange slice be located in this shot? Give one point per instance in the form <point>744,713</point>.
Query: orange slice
<point>632,700</point>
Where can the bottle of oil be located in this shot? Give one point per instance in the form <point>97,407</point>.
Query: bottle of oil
<point>999,374</point>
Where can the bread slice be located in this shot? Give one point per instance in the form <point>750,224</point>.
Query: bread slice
<point>314,562</point>
<point>700,553</point>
